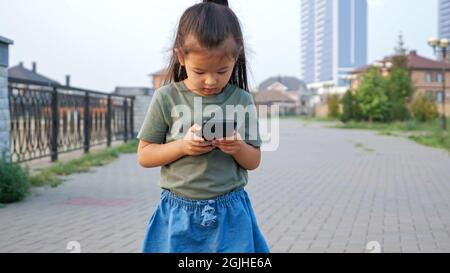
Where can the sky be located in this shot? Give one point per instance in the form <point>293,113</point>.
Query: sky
<point>107,43</point>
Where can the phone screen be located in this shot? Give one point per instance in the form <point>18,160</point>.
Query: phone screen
<point>217,129</point>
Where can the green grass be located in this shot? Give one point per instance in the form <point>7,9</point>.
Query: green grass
<point>51,176</point>
<point>402,126</point>
<point>425,133</point>
<point>436,140</point>
<point>316,119</point>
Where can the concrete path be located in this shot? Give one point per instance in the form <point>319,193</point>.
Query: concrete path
<point>323,190</point>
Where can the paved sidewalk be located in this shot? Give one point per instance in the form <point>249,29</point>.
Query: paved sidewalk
<point>324,190</point>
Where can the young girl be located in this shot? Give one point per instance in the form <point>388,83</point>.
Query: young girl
<point>203,205</point>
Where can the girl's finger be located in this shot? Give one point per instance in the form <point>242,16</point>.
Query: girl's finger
<point>198,138</point>
<point>201,143</point>
<point>231,138</point>
<point>227,143</point>
<point>195,128</point>
<point>201,150</point>
<point>226,148</point>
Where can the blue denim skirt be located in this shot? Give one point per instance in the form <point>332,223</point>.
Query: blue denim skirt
<point>225,224</point>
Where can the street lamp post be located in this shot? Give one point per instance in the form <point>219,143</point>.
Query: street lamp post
<point>441,46</point>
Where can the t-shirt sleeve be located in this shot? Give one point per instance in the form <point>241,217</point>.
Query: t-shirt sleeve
<point>252,135</point>
<point>155,127</point>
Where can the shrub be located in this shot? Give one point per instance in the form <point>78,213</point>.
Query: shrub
<point>424,108</point>
<point>333,106</point>
<point>14,182</point>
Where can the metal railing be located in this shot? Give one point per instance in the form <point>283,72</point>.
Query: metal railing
<point>48,119</point>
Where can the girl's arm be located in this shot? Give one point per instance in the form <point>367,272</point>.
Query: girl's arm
<point>151,155</point>
<point>248,157</point>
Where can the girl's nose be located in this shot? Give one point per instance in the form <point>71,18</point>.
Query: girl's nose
<point>210,81</point>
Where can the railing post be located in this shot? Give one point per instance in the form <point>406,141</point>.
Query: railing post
<point>87,124</point>
<point>125,111</point>
<point>132,119</point>
<point>55,125</point>
<point>108,122</point>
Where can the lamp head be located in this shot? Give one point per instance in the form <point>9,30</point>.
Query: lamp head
<point>433,42</point>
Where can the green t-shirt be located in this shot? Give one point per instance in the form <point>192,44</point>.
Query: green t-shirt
<point>212,174</point>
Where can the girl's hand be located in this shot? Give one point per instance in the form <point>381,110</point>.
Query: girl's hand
<point>230,145</point>
<point>194,145</point>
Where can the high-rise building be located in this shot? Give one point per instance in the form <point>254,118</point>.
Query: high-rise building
<point>333,39</point>
<point>444,19</point>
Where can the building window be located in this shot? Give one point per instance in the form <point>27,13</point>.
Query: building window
<point>439,77</point>
<point>439,96</point>
<point>430,95</point>
<point>429,77</point>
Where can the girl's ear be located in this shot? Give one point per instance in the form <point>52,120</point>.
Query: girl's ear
<point>180,56</point>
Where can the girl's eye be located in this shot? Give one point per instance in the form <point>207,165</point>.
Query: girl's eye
<point>201,73</point>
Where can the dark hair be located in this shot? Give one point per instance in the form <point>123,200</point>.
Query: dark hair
<point>211,23</point>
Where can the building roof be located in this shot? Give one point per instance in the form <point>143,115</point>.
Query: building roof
<point>22,73</point>
<point>292,83</point>
<point>267,97</point>
<point>414,60</point>
<point>7,41</point>
<point>420,62</point>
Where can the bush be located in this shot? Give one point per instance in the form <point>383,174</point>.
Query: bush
<point>424,108</point>
<point>333,106</point>
<point>371,97</point>
<point>348,105</point>
<point>398,110</point>
<point>14,182</point>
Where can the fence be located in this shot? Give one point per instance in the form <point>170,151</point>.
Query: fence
<point>47,119</point>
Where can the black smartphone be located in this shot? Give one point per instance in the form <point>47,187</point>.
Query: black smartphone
<point>217,129</point>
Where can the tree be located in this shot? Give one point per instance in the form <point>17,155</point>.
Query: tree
<point>400,49</point>
<point>371,97</point>
<point>399,88</point>
<point>351,109</point>
<point>348,105</point>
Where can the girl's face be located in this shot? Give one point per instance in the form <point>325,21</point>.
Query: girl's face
<point>208,71</point>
